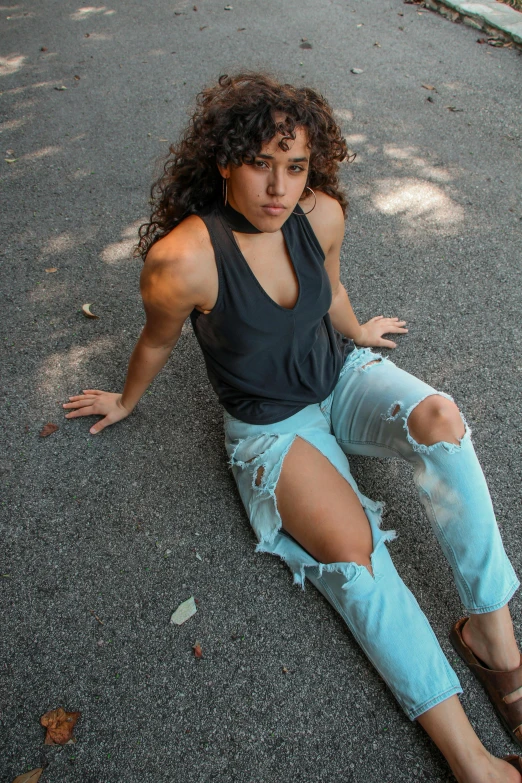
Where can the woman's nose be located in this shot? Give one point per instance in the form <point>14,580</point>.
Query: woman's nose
<point>276,186</point>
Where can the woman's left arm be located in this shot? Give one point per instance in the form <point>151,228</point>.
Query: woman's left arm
<point>369,334</point>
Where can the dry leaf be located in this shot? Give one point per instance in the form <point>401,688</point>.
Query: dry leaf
<point>77,78</point>
<point>48,430</point>
<point>52,269</point>
<point>60,88</point>
<point>228,8</point>
<point>87,312</point>
<point>357,70</point>
<point>87,35</point>
<point>240,29</point>
<point>306,45</point>
<point>428,87</point>
<point>60,725</point>
<point>204,27</point>
<point>285,670</point>
<point>482,40</point>
<point>29,777</point>
<point>198,652</point>
<point>453,108</point>
<point>184,611</point>
<point>43,48</point>
<point>10,153</point>
<point>377,44</point>
<point>10,160</point>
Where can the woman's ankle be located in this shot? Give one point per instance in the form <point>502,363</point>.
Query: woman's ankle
<point>492,642</point>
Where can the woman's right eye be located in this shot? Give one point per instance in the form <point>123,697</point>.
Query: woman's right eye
<point>259,163</point>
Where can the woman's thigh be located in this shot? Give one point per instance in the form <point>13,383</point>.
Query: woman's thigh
<point>319,508</point>
<point>371,405</point>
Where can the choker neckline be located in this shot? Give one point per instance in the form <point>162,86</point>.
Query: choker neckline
<point>237,221</point>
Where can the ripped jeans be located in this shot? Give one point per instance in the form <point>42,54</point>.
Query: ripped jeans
<point>367,414</point>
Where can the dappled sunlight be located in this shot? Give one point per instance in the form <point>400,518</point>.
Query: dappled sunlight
<point>11,125</point>
<point>67,241</point>
<point>100,37</point>
<point>91,10</point>
<point>80,173</point>
<point>63,369</point>
<point>37,86</point>
<point>37,154</point>
<point>122,250</point>
<point>417,203</point>
<point>59,244</point>
<point>408,156</point>
<point>343,114</point>
<point>11,64</point>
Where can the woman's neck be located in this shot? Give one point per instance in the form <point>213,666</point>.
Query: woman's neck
<point>237,221</point>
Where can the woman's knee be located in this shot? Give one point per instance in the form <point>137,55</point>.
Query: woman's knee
<point>436,419</point>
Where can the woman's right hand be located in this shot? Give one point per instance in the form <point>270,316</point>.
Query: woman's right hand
<point>94,402</point>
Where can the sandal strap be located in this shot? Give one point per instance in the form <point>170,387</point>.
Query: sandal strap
<point>498,684</point>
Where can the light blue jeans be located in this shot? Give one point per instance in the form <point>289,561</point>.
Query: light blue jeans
<point>367,414</point>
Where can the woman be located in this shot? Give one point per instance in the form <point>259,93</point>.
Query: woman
<point>245,238</point>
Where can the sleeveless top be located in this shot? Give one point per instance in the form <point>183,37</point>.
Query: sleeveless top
<point>267,362</point>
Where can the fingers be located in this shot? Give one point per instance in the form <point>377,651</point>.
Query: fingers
<point>79,403</point>
<point>85,411</point>
<point>387,343</point>
<point>100,425</point>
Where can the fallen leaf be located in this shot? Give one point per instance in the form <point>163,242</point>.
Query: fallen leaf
<point>60,725</point>
<point>430,99</point>
<point>60,88</point>
<point>52,269</point>
<point>284,670</point>
<point>359,25</point>
<point>48,430</point>
<point>162,139</point>
<point>428,87</point>
<point>228,8</point>
<point>204,27</point>
<point>453,108</point>
<point>240,29</point>
<point>29,777</point>
<point>357,70</point>
<point>377,44</point>
<point>96,617</point>
<point>198,556</point>
<point>43,48</point>
<point>198,652</point>
<point>10,160</point>
<point>305,45</point>
<point>184,611</point>
<point>77,78</point>
<point>10,153</point>
<point>87,35</point>
<point>86,311</point>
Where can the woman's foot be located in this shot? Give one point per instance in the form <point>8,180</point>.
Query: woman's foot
<point>489,770</point>
<point>491,639</point>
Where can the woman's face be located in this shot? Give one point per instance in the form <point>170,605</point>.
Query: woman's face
<point>266,191</point>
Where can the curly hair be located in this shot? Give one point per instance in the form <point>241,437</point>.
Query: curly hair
<point>232,121</point>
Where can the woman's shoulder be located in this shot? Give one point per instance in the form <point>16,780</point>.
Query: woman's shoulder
<point>184,256</point>
<point>326,218</point>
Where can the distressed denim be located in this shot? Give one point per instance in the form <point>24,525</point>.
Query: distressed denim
<point>367,414</point>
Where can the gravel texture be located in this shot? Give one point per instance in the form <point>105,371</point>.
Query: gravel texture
<point>433,235</point>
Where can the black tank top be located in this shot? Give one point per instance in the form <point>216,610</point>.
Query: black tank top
<point>267,362</point>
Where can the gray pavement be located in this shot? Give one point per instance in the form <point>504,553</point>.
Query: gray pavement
<point>111,527</point>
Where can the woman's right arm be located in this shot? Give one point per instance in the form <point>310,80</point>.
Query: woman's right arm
<point>169,289</point>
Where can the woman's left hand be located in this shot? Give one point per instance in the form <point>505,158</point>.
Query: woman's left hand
<point>371,333</point>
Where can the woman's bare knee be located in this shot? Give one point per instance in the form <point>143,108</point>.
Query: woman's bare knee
<point>436,419</point>
<point>319,508</point>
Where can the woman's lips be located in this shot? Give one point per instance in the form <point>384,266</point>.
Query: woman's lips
<point>273,210</point>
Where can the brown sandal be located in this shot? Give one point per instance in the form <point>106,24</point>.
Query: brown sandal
<point>497,685</point>
<point>515,761</point>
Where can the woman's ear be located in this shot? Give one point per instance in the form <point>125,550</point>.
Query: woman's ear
<point>224,170</point>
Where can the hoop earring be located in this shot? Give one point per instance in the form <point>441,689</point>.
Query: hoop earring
<point>302,214</point>
<point>225,191</point>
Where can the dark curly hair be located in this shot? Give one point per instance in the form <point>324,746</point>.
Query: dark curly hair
<point>232,121</point>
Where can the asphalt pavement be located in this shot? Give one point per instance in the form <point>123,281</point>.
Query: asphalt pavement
<point>105,536</point>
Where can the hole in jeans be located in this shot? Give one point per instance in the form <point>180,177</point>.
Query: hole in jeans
<point>259,476</point>
<point>395,410</point>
